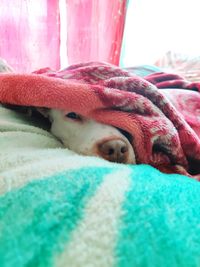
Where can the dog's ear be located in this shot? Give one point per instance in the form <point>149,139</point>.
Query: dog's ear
<point>43,111</point>
<point>21,109</point>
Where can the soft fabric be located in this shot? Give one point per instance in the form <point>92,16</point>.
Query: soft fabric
<point>187,102</point>
<point>168,80</point>
<point>58,209</point>
<point>185,65</point>
<point>30,33</point>
<point>161,136</point>
<point>144,70</point>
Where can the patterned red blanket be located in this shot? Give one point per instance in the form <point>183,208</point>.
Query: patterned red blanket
<point>164,124</point>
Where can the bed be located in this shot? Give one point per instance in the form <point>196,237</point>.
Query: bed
<point>58,208</point>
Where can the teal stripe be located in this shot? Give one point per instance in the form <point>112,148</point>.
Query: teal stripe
<point>161,222</point>
<point>36,221</point>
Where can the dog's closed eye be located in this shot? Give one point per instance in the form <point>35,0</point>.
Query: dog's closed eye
<point>73,116</point>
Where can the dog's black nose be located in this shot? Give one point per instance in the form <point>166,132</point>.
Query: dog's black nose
<point>114,150</point>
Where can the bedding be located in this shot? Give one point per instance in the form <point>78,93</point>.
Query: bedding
<point>187,66</point>
<point>58,208</point>
<point>161,136</point>
<point>144,70</point>
<point>61,209</point>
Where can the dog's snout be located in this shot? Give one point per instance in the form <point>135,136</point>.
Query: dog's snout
<point>114,150</point>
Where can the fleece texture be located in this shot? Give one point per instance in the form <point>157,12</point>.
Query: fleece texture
<point>161,135</point>
<point>59,209</point>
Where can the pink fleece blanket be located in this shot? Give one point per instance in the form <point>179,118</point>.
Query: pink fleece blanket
<point>164,124</point>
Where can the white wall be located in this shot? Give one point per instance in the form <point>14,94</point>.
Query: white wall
<point>154,27</point>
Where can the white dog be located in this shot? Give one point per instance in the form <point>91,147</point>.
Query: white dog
<point>89,137</point>
<point>86,136</point>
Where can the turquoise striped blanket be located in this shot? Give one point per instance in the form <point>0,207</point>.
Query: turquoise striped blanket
<point>60,209</point>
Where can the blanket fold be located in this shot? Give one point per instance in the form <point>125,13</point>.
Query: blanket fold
<point>163,133</point>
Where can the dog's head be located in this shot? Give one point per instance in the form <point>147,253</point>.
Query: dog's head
<point>82,135</point>
<point>89,137</point>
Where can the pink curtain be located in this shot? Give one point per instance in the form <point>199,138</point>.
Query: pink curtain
<point>29,34</point>
<point>95,30</point>
<point>32,32</point>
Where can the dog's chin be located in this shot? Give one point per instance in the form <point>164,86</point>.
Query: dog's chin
<point>129,160</point>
